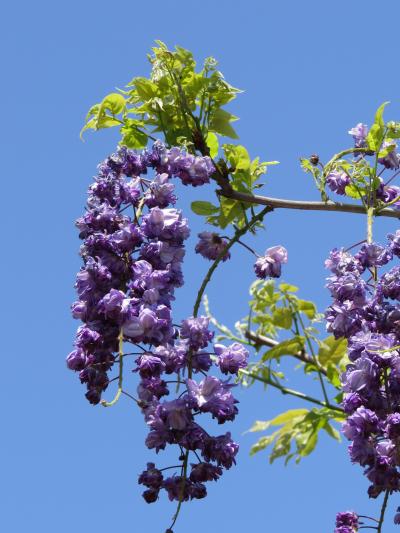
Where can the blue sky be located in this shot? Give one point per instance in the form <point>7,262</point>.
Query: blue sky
<point>310,71</point>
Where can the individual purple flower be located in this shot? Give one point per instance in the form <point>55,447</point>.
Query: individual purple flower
<point>213,396</point>
<point>152,387</point>
<point>389,193</point>
<point>149,365</point>
<point>341,262</point>
<point>338,181</point>
<point>221,449</point>
<point>151,477</point>
<point>361,375</point>
<point>394,242</point>
<point>348,287</point>
<point>392,159</point>
<point>196,331</point>
<point>231,358</point>
<point>348,518</point>
<point>361,423</point>
<point>178,488</point>
<point>195,171</point>
<point>390,283</point>
<point>351,402</point>
<point>211,245</point>
<point>396,518</point>
<point>270,264</point>
<point>343,320</point>
<point>359,133</point>
<point>374,255</point>
<point>392,426</point>
<point>165,224</point>
<point>202,472</point>
<point>160,192</point>
<point>150,495</point>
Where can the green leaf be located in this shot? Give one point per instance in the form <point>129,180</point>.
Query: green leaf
<point>286,287</point>
<point>260,425</point>
<point>332,350</point>
<point>354,192</point>
<point>132,137</point>
<point>332,432</point>
<point>237,156</point>
<point>307,307</point>
<point>113,102</point>
<point>145,88</point>
<point>262,443</point>
<point>291,415</point>
<point>377,131</point>
<point>282,317</point>
<point>287,347</point>
<point>213,144</point>
<point>379,114</point>
<point>203,208</point>
<point>220,123</point>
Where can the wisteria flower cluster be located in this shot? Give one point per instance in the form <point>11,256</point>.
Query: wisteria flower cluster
<point>132,266</point>
<point>347,522</point>
<point>366,311</point>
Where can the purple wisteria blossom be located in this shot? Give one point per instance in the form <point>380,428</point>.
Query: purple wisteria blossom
<point>359,133</point>
<point>362,311</point>
<point>270,264</point>
<point>211,245</point>
<point>133,249</point>
<point>338,181</point>
<point>231,358</point>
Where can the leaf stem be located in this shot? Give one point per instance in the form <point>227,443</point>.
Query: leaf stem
<point>383,509</point>
<point>292,392</point>
<point>120,375</point>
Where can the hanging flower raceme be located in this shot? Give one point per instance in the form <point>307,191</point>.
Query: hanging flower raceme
<point>133,248</point>
<point>366,311</point>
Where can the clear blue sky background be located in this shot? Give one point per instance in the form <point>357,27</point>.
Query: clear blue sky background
<point>310,71</point>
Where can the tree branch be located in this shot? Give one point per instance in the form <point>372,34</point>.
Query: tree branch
<point>260,340</point>
<point>305,205</point>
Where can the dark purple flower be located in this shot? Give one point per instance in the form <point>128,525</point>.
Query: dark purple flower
<point>390,283</point>
<point>231,358</point>
<point>221,449</point>
<point>343,320</point>
<point>213,396</point>
<point>150,495</point>
<point>392,159</point>
<point>374,255</point>
<point>196,331</point>
<point>151,477</point>
<point>338,181</point>
<point>392,426</point>
<point>394,242</point>
<point>348,518</point>
<point>270,264</point>
<point>211,245</point>
<point>361,423</point>
<point>202,472</point>
<point>360,375</point>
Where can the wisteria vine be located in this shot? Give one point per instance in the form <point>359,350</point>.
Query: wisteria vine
<point>133,248</point>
